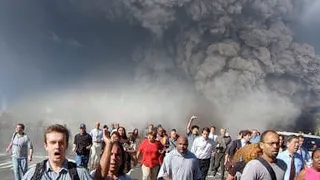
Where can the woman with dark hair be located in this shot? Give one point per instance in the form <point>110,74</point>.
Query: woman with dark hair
<point>126,145</point>
<point>312,173</point>
<point>281,141</point>
<point>112,163</point>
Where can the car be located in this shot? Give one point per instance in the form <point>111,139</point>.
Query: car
<point>311,142</point>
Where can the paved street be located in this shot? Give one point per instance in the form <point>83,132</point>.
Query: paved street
<point>6,168</point>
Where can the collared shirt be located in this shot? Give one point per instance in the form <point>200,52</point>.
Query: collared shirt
<point>191,138</point>
<point>298,162</point>
<point>213,136</point>
<point>255,140</point>
<point>180,166</point>
<point>202,148</point>
<point>63,174</point>
<point>97,135</point>
<point>20,145</point>
<point>305,155</point>
<point>243,143</point>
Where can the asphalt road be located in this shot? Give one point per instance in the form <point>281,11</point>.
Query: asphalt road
<point>6,172</point>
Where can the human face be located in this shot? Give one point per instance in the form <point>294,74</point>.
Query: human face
<point>151,138</point>
<point>160,132</point>
<point>270,146</point>
<point>121,131</point>
<point>19,129</point>
<point>82,130</point>
<point>293,145</point>
<point>195,131</point>
<point>223,132</point>
<point>97,125</point>
<point>56,146</point>
<point>150,127</point>
<point>115,159</point>
<point>173,134</point>
<point>316,160</point>
<point>254,133</point>
<point>281,140</point>
<point>182,145</point>
<point>205,134</point>
<point>212,130</point>
<point>114,137</point>
<point>247,137</point>
<point>301,141</point>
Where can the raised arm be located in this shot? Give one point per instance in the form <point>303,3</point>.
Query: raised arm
<point>188,128</point>
<point>102,171</point>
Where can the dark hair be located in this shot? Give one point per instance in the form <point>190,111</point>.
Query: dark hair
<point>245,133</point>
<point>291,137</point>
<point>152,133</point>
<point>57,128</point>
<point>206,129</point>
<point>105,126</point>
<point>213,127</point>
<point>194,126</point>
<point>123,157</point>
<point>265,133</point>
<point>22,125</point>
<point>174,130</point>
<point>124,131</point>
<point>313,152</point>
<point>300,137</point>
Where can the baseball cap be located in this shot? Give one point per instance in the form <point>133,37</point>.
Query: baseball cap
<point>82,126</point>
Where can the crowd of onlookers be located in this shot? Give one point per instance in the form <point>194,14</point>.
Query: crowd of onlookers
<point>111,153</point>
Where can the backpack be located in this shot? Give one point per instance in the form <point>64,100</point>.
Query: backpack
<point>40,167</point>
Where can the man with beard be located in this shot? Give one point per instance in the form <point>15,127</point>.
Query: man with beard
<point>180,163</point>
<point>56,138</point>
<point>293,159</point>
<point>267,167</point>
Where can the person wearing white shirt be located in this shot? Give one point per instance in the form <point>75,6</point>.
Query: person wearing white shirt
<point>203,147</point>
<point>96,148</point>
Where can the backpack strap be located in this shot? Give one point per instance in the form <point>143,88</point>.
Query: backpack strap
<point>38,172</point>
<point>268,167</point>
<point>72,167</point>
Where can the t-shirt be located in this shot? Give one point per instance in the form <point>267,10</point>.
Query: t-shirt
<point>150,153</point>
<point>20,145</point>
<point>82,141</point>
<point>255,170</point>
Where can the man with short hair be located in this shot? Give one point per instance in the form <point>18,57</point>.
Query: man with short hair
<point>56,138</point>
<point>180,163</point>
<point>307,160</point>
<point>192,131</point>
<point>203,147</point>
<point>173,139</point>
<point>147,130</point>
<point>257,169</point>
<point>81,145</point>
<point>239,143</point>
<point>19,145</point>
<point>96,148</point>
<point>293,159</point>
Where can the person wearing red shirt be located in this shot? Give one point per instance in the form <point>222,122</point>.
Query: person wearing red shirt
<point>151,151</point>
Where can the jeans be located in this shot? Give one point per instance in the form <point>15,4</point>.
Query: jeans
<point>20,167</point>
<point>82,160</point>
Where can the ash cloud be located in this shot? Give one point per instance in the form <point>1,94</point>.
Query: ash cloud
<point>241,54</point>
<point>235,63</point>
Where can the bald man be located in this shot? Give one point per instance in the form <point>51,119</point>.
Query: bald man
<point>96,148</point>
<point>180,163</point>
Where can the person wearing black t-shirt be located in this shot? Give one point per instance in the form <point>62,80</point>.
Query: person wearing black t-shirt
<point>81,145</point>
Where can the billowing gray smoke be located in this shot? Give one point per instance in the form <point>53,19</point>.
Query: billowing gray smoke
<point>240,54</point>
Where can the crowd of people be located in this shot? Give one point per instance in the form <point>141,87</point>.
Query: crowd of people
<point>111,153</point>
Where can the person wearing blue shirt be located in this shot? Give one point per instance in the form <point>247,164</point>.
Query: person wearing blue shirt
<point>304,152</point>
<point>255,138</point>
<point>291,157</point>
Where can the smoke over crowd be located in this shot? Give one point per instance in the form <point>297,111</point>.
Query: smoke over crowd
<point>236,63</point>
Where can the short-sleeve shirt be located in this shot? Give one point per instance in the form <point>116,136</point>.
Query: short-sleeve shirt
<point>151,153</point>
<point>63,174</point>
<point>82,141</point>
<point>180,166</point>
<point>191,138</point>
<point>255,170</point>
<point>20,145</point>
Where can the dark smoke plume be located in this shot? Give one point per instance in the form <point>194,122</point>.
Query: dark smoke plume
<point>240,54</point>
